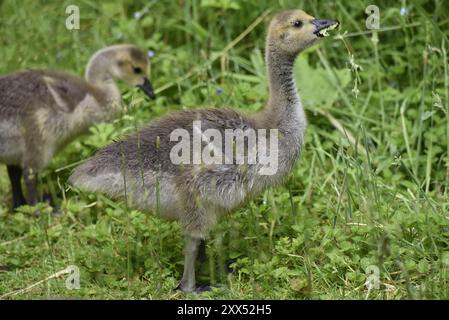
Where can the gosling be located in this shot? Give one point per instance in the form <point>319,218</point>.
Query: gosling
<point>154,171</point>
<point>41,111</point>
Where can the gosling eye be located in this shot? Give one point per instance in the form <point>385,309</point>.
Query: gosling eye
<point>297,23</point>
<point>137,70</point>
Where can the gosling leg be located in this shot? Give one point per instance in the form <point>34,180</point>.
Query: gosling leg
<point>15,177</point>
<point>31,184</point>
<point>202,252</point>
<point>191,248</point>
<point>201,258</point>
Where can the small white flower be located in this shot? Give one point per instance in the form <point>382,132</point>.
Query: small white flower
<point>403,12</point>
<point>137,15</point>
<point>151,53</point>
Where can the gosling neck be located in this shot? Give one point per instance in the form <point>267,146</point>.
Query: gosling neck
<point>98,75</point>
<point>283,95</point>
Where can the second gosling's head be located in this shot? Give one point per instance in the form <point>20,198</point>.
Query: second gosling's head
<point>126,63</point>
<point>293,31</point>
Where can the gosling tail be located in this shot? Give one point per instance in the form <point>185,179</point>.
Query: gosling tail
<point>98,175</point>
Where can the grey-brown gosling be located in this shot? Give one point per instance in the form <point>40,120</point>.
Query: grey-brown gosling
<point>141,169</point>
<point>41,111</point>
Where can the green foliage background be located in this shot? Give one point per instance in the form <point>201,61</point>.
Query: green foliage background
<point>371,187</point>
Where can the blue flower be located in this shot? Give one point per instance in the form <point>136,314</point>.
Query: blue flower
<point>59,56</point>
<point>137,15</point>
<point>151,53</point>
<point>403,12</point>
<point>219,91</point>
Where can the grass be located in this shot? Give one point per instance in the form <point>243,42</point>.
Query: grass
<point>371,187</point>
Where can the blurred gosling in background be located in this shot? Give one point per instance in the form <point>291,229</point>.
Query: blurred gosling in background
<point>41,111</point>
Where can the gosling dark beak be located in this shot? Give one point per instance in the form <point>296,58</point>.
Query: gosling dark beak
<point>323,24</point>
<point>147,88</point>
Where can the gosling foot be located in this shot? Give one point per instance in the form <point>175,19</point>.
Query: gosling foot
<point>207,288</point>
<point>198,290</point>
<point>185,287</point>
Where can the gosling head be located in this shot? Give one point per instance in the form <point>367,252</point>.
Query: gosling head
<point>126,63</point>
<point>131,67</point>
<point>293,31</point>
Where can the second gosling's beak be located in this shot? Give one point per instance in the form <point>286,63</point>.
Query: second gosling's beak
<point>323,26</point>
<point>147,88</point>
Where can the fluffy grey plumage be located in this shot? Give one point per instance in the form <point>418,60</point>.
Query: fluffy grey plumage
<point>140,167</point>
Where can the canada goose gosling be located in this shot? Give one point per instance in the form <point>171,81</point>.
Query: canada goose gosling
<point>41,110</point>
<point>197,194</point>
